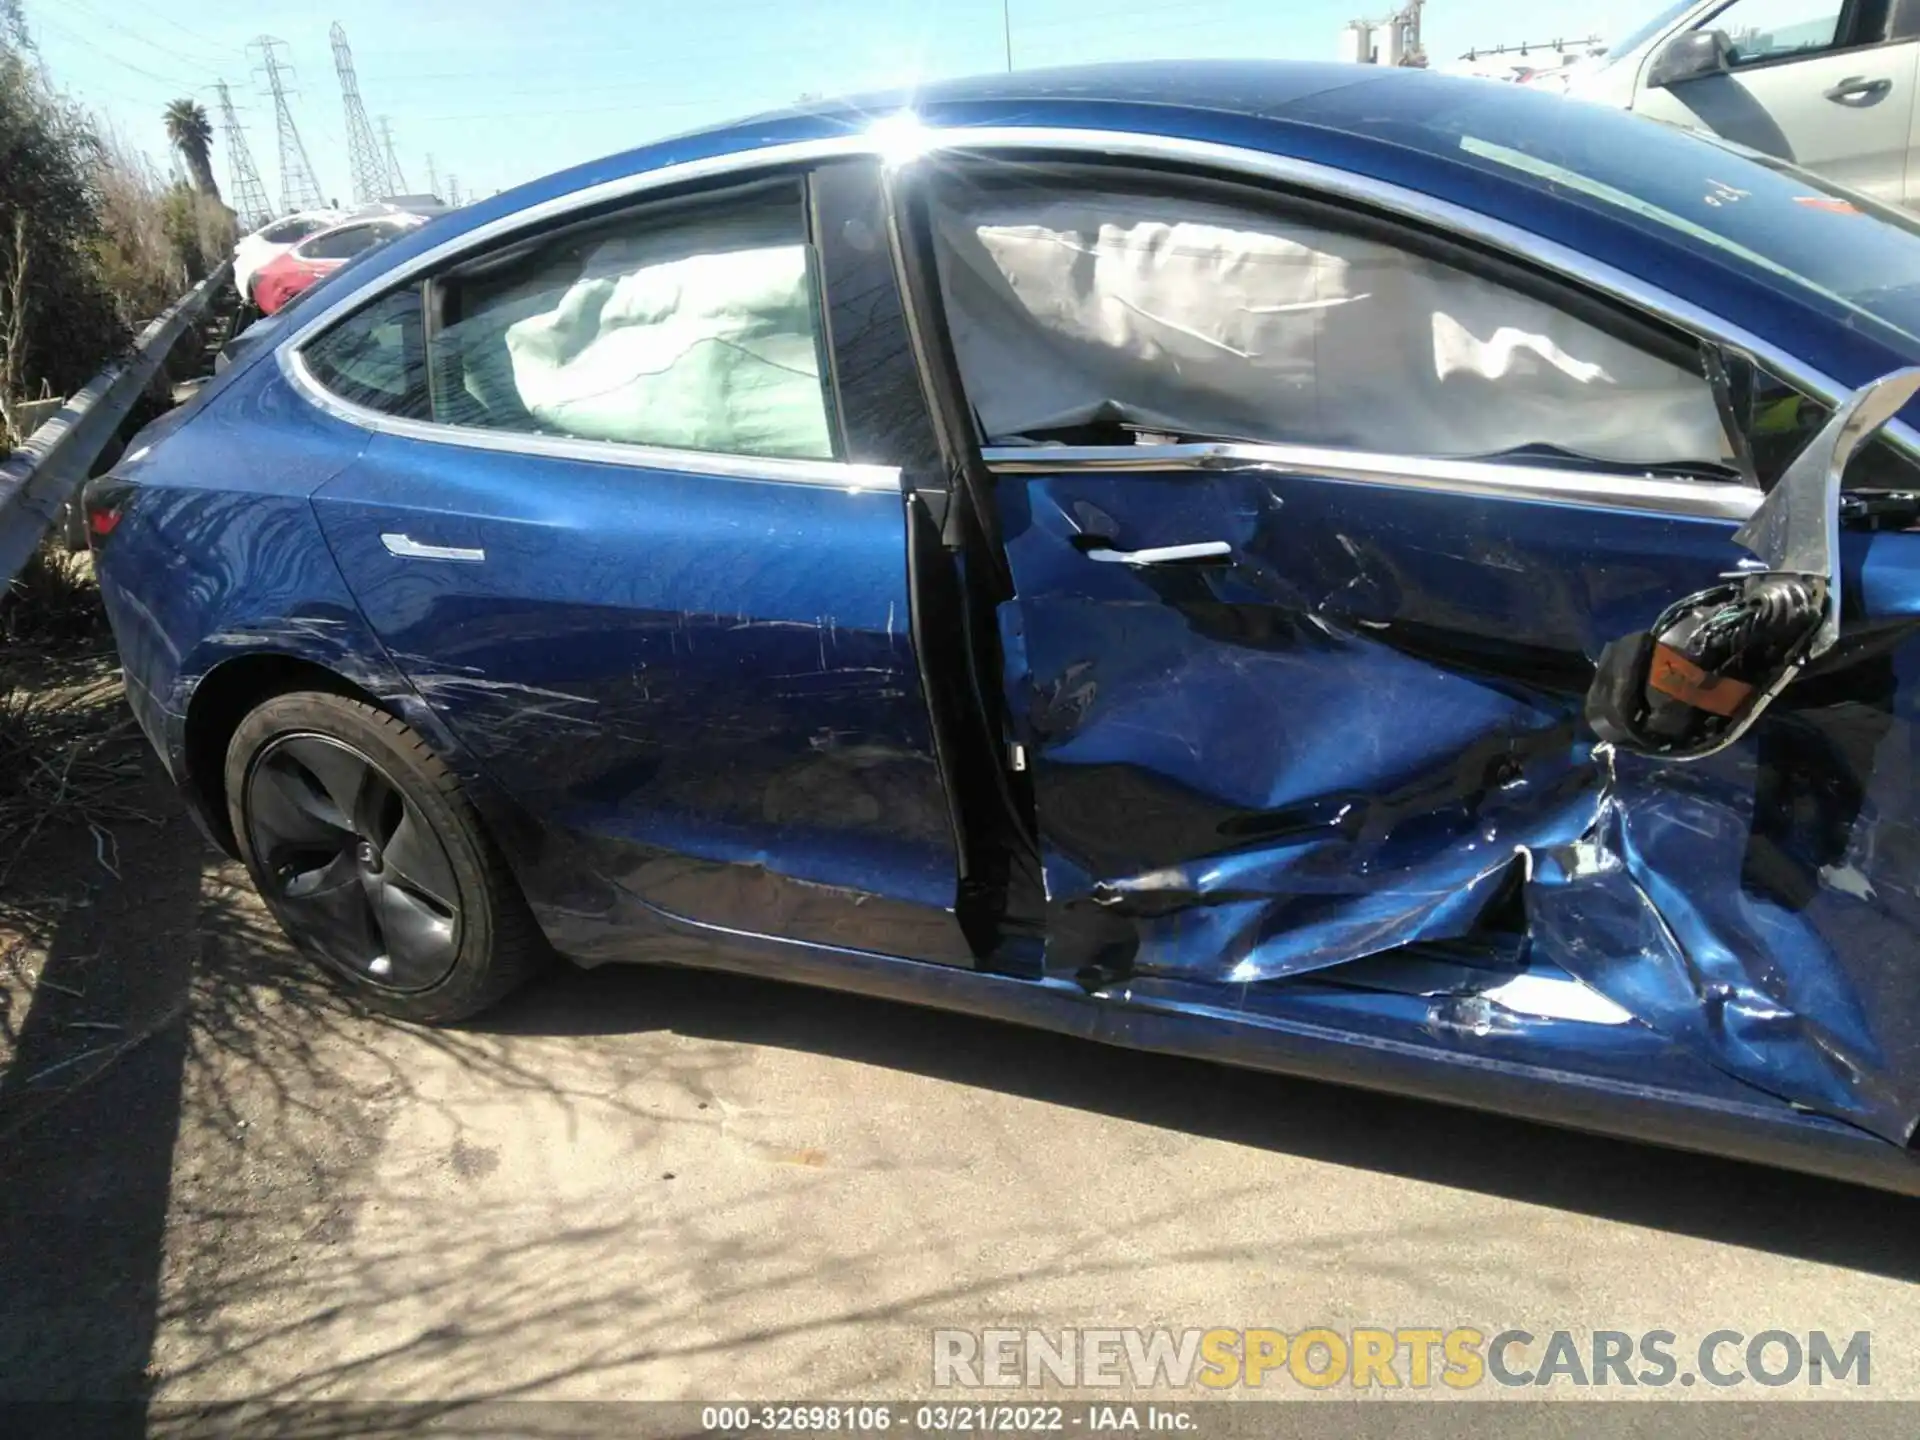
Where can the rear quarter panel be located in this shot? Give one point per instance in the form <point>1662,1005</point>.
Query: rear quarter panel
<point>219,556</point>
<point>217,553</point>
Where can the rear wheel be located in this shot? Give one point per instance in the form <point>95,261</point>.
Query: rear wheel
<point>373,861</point>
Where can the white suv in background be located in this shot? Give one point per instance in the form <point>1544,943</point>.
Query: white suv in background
<point>1826,84</point>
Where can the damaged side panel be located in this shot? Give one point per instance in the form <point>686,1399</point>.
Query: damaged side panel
<point>1361,731</point>
<point>654,663</point>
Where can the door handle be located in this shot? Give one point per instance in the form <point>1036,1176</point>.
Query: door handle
<point>408,548</point>
<point>1202,550</point>
<point>1856,88</point>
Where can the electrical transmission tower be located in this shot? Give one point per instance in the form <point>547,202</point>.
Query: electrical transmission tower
<point>396,182</point>
<point>298,189</point>
<point>433,176</point>
<point>243,180</point>
<point>369,171</point>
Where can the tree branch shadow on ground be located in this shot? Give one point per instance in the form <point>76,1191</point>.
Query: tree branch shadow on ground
<point>89,1110</point>
<point>197,1172</point>
<point>1691,1194</point>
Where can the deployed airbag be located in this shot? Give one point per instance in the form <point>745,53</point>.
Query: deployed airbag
<point>692,332</point>
<point>1196,317</point>
<point>707,352</point>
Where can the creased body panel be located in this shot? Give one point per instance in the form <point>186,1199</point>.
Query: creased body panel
<point>1363,731</point>
<point>706,682</point>
<point>1760,907</point>
<point>218,555</point>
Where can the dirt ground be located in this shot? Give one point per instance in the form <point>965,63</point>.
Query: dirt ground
<point>217,1180</point>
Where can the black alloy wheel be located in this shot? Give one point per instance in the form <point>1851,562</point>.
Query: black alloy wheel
<point>353,862</point>
<point>366,849</point>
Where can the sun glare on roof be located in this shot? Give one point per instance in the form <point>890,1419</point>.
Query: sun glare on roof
<point>900,139</point>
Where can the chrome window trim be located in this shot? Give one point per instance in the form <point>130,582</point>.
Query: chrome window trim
<point>1732,501</point>
<point>625,187</point>
<point>878,143</point>
<point>829,474</point>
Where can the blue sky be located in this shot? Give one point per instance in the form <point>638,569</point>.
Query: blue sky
<point>499,91</point>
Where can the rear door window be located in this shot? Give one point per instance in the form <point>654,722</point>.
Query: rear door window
<point>693,328</point>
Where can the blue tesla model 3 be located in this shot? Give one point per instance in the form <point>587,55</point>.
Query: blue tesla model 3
<point>1359,573</point>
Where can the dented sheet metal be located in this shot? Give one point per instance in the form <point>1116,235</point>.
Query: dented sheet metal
<point>1365,732</point>
<point>1693,904</point>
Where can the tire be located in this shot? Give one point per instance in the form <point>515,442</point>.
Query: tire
<point>345,859</point>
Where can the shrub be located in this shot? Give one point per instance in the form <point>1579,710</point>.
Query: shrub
<point>200,230</point>
<point>57,314</point>
<point>92,242</point>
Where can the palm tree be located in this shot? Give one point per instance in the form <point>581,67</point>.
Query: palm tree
<point>192,135</point>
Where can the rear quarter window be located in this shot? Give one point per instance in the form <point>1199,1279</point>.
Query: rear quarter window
<point>376,357</point>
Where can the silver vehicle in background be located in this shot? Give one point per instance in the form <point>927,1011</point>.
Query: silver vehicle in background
<point>1826,84</point>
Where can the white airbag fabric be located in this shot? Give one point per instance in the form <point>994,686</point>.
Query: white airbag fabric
<point>1199,318</point>
<point>700,352</point>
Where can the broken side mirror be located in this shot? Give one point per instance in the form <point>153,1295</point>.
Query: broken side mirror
<point>1715,660</point>
<point>1688,57</point>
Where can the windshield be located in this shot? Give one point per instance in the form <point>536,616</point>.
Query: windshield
<point>1646,30</point>
<point>1862,257</point>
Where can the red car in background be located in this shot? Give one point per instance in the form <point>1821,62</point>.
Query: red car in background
<point>322,253</point>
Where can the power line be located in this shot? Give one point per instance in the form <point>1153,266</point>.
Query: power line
<point>138,38</point>
<point>525,45</point>
<point>1205,13</point>
<point>298,189</point>
<point>538,92</point>
<point>93,46</point>
<point>524,42</point>
<point>190,33</point>
<point>622,109</point>
<point>363,156</point>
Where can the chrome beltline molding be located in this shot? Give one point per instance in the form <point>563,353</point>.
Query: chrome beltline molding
<point>1701,499</point>
<point>1093,144</point>
<point>830,474</point>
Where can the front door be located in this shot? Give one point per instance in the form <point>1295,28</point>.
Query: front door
<point>1314,539</point>
<point>1816,82</point>
<point>611,533</point>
